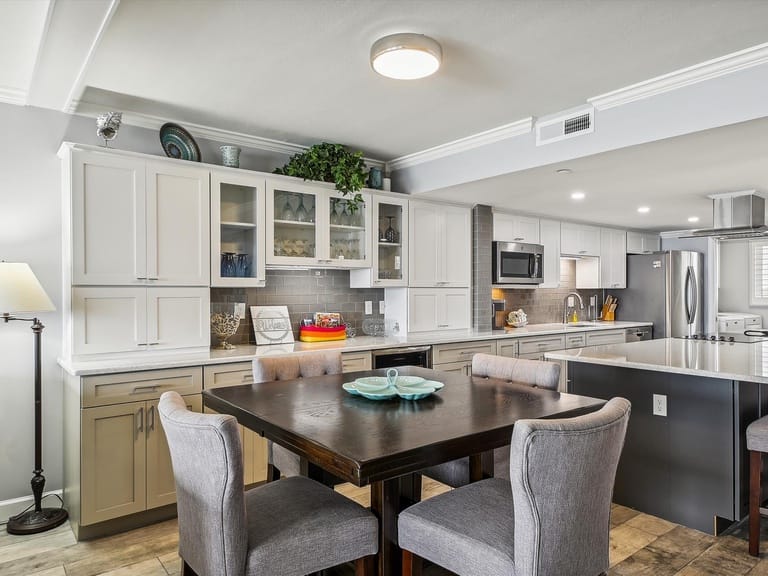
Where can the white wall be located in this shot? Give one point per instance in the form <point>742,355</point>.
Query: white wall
<point>30,231</point>
<point>734,280</point>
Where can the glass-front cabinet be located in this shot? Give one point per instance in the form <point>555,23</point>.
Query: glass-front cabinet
<point>237,229</point>
<point>315,226</point>
<point>390,246</point>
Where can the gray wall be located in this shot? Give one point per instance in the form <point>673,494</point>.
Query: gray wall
<point>30,231</point>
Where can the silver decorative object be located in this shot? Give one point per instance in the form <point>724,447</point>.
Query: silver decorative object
<point>230,156</point>
<point>107,125</point>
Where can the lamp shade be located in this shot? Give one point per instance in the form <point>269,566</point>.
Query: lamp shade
<point>406,56</point>
<point>20,290</point>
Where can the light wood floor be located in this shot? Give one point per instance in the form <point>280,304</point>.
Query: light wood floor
<point>640,545</point>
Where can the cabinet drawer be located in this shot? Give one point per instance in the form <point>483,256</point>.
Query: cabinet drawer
<point>355,361</point>
<point>461,351</point>
<point>541,344</point>
<point>606,337</point>
<point>575,340</point>
<point>508,348</point>
<point>137,386</point>
<point>223,375</point>
<point>462,367</point>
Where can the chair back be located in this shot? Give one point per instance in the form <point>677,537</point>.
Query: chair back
<point>208,470</point>
<point>562,474</point>
<point>302,365</point>
<point>521,370</point>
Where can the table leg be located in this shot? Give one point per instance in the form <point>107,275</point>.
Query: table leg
<point>388,499</point>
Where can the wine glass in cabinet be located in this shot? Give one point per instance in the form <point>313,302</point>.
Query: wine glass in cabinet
<point>238,221</point>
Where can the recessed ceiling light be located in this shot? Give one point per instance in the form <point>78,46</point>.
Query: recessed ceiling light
<point>563,171</point>
<point>693,219</point>
<point>578,195</point>
<point>643,209</point>
<point>406,56</point>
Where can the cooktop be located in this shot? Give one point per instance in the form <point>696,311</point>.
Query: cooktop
<point>730,337</point>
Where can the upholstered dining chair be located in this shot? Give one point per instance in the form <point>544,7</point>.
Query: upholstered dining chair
<point>306,365</point>
<point>287,528</point>
<point>551,518</point>
<point>534,373</point>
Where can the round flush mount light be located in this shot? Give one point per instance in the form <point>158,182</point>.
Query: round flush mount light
<point>578,195</point>
<point>406,56</point>
<point>643,209</point>
<point>693,219</point>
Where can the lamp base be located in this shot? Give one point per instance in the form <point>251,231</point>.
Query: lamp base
<point>35,521</point>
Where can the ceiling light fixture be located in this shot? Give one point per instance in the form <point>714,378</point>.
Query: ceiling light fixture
<point>643,209</point>
<point>406,56</point>
<point>693,219</point>
<point>578,195</point>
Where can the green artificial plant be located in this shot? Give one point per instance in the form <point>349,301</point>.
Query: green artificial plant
<point>328,162</point>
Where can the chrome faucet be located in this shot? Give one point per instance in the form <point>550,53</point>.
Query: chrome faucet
<point>565,304</point>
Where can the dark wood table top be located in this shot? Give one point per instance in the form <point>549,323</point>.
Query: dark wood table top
<point>363,440</point>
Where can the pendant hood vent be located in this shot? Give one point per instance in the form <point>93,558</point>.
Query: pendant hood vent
<point>736,215</point>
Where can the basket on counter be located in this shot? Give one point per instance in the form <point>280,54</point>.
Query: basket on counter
<point>322,334</point>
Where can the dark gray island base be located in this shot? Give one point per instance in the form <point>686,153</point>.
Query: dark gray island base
<point>690,467</point>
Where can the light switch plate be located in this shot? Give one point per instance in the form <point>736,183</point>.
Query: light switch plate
<point>240,309</point>
<point>659,405</point>
<point>368,307</point>
<point>381,306</point>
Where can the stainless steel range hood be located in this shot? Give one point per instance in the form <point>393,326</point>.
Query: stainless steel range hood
<point>736,215</point>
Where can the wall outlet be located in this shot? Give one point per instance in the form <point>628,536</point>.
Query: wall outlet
<point>368,307</point>
<point>381,306</point>
<point>240,309</point>
<point>659,405</point>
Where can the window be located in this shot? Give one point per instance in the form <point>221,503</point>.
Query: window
<point>758,273</point>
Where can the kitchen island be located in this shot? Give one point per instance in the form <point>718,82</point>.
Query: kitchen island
<point>685,456</point>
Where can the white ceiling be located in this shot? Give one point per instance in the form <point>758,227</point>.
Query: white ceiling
<point>298,71</point>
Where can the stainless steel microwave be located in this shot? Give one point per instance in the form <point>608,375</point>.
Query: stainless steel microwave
<point>517,263</point>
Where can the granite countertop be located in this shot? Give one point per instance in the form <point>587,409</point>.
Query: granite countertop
<point>727,360</point>
<point>130,362</point>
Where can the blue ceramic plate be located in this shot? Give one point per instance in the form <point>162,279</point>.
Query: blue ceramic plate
<point>350,387</point>
<point>178,143</point>
<point>415,392</point>
<point>372,383</point>
<point>385,394</point>
<point>403,381</point>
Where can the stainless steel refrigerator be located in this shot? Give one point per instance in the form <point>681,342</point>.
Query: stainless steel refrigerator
<point>666,288</point>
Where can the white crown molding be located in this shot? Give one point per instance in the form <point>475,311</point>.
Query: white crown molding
<point>491,136</point>
<point>754,56</point>
<point>150,122</point>
<point>11,95</point>
<point>41,43</point>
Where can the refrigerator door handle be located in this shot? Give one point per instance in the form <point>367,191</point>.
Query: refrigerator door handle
<point>695,294</point>
<point>690,295</point>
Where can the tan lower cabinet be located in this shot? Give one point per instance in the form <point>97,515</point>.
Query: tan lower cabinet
<point>254,446</point>
<point>457,357</point>
<point>356,361</point>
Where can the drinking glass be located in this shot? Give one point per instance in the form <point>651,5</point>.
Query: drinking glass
<point>301,212</point>
<point>228,268</point>
<point>345,216</point>
<point>243,265</point>
<point>287,213</point>
<point>390,233</point>
<point>334,212</point>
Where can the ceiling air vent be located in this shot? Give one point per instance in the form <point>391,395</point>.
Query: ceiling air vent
<point>565,126</point>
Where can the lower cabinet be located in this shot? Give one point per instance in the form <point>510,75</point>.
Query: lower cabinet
<point>457,357</point>
<point>356,361</point>
<point>533,347</point>
<point>606,337</point>
<point>254,446</point>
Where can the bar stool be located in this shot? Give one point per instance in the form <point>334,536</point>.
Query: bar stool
<point>757,444</point>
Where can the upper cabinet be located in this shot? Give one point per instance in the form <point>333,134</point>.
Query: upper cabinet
<point>642,243</point>
<point>579,240</point>
<point>389,239</point>
<point>613,258</point>
<point>237,229</point>
<point>549,234</point>
<point>137,222</point>
<point>313,225</point>
<point>439,245</point>
<point>515,228</point>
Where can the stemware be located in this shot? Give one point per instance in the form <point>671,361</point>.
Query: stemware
<point>334,212</point>
<point>301,212</point>
<point>390,234</point>
<point>287,213</point>
<point>345,216</point>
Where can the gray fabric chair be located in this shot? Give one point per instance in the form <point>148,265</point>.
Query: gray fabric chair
<point>281,460</point>
<point>520,370</point>
<point>288,528</point>
<point>551,519</point>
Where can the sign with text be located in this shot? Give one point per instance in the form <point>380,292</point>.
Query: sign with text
<point>271,325</point>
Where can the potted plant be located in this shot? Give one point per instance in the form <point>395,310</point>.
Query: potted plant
<point>328,162</point>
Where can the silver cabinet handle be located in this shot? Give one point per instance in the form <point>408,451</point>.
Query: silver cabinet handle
<point>141,277</point>
<point>518,239</point>
<point>142,344</point>
<point>153,343</point>
<point>151,419</point>
<point>139,421</point>
<point>144,389</point>
<point>153,278</point>
<point>443,325</point>
<point>247,378</point>
<point>582,251</point>
<point>467,353</point>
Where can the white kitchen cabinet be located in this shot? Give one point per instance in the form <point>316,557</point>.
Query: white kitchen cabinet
<point>440,245</point>
<point>515,228</point>
<point>238,225</point>
<point>311,225</point>
<point>135,221</point>
<point>389,239</point>
<point>438,309</point>
<point>642,243</point>
<point>549,235</point>
<point>613,258</point>
<point>134,318</point>
<point>579,240</point>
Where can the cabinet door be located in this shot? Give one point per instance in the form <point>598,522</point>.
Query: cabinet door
<point>108,220</point>
<point>348,234</point>
<point>113,464</point>
<point>424,222</point>
<point>161,487</point>
<point>613,258</point>
<point>297,224</point>
<point>455,247</point>
<point>641,243</point>
<point>238,229</point>
<point>453,309</point>
<point>549,233</point>
<point>422,310</point>
<point>178,225</point>
<point>356,361</point>
<point>178,317</point>
<point>508,348</point>
<point>579,240</point>
<point>109,319</point>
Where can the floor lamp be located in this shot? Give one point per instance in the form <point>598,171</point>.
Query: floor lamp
<point>21,292</point>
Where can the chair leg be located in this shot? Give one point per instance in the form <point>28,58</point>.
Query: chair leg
<point>755,469</point>
<point>186,570</point>
<point>273,473</point>
<point>411,564</point>
<point>364,566</point>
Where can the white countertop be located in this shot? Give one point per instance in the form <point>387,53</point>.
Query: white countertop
<point>133,361</point>
<point>727,360</point>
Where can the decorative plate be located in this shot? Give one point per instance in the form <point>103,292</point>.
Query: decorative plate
<point>415,392</point>
<point>385,394</point>
<point>178,143</point>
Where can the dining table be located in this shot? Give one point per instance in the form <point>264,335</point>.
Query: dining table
<point>386,443</point>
